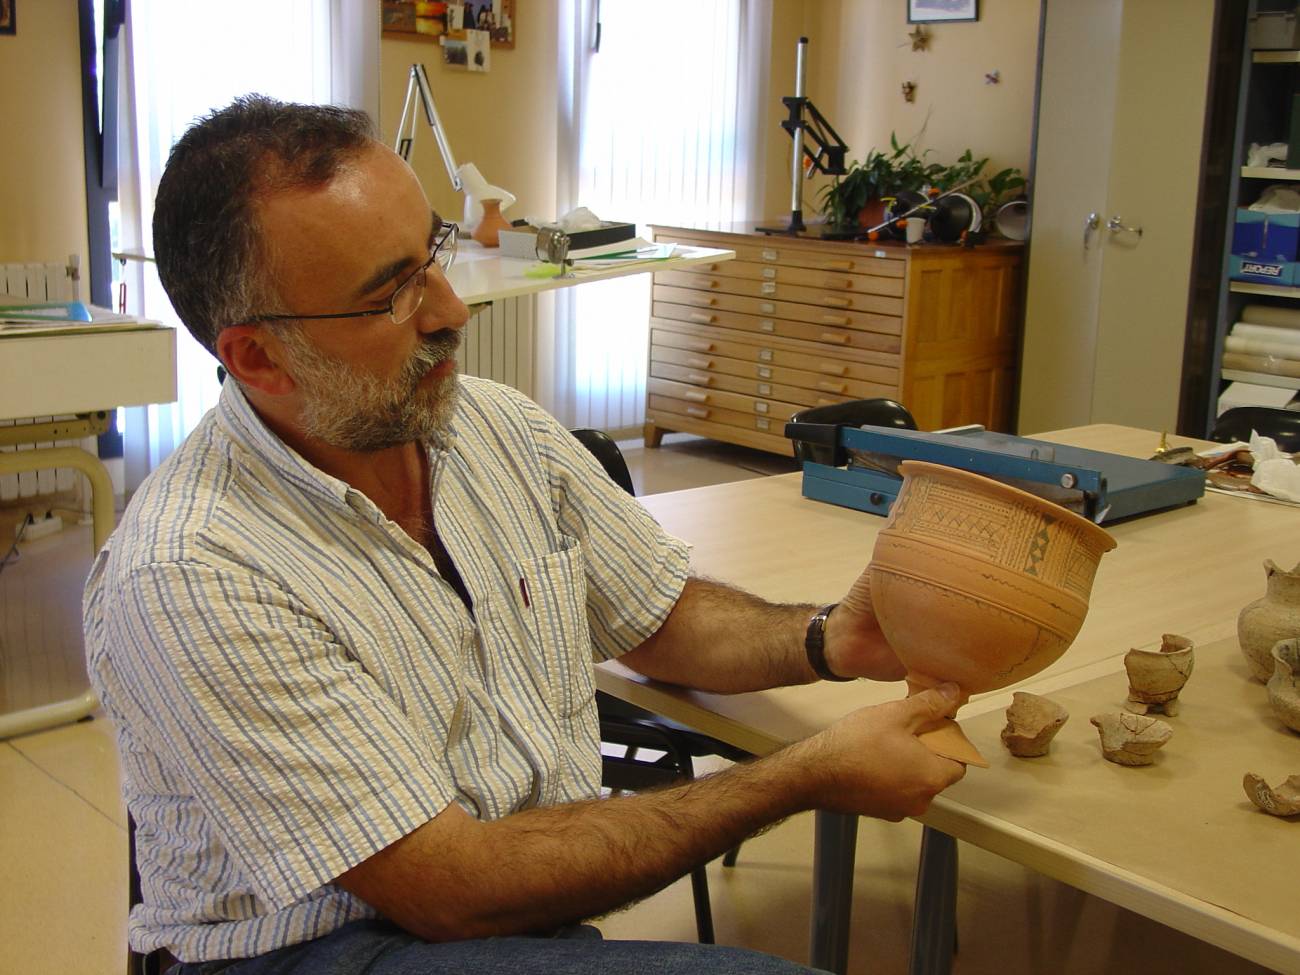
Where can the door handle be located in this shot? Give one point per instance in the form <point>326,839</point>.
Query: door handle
<point>1116,226</point>
<point>1090,223</point>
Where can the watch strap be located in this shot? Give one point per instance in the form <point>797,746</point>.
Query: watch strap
<point>814,643</point>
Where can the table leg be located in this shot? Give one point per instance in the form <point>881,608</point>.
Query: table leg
<point>833,853</point>
<point>934,913</point>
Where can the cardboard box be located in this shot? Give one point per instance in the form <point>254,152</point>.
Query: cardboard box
<point>1281,273</point>
<point>1266,236</point>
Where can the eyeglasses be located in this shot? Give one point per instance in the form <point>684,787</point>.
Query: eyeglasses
<point>407,297</point>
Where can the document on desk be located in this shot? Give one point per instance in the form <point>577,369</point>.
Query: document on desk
<point>641,251</point>
<point>21,317</point>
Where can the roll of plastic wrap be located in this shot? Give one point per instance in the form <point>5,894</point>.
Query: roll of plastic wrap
<point>1266,333</point>
<point>1271,315</point>
<point>1283,350</point>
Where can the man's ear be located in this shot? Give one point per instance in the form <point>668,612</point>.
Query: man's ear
<point>253,356</point>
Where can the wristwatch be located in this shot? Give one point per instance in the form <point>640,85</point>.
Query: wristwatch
<point>814,642</point>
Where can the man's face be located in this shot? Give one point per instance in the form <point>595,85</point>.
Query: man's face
<point>363,383</point>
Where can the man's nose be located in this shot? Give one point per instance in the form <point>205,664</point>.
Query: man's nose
<point>441,307</point>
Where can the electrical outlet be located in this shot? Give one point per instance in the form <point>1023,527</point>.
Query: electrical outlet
<point>39,528</point>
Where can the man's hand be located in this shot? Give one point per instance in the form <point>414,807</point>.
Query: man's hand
<point>855,645</point>
<point>871,763</point>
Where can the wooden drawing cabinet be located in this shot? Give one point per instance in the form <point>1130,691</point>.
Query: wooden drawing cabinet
<point>737,347</point>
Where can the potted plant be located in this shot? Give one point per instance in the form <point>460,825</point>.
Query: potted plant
<point>988,192</point>
<point>858,196</point>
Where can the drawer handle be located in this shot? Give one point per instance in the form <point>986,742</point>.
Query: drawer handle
<point>711,267</point>
<point>700,363</point>
<point>713,283</point>
<point>697,411</point>
<point>702,380</point>
<point>832,387</point>
<point>699,346</point>
<point>842,320</point>
<point>838,265</point>
<point>695,397</point>
<point>837,337</point>
<point>699,316</point>
<point>838,283</point>
<point>832,368</point>
<point>837,302</point>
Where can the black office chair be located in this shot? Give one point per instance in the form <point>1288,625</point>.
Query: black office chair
<point>638,730</point>
<point>1282,425</point>
<point>818,445</point>
<point>158,961</point>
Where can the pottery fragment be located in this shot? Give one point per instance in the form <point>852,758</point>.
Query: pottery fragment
<point>1130,739</point>
<point>1156,676</point>
<point>1281,800</point>
<point>1032,723</point>
<point>1284,685</point>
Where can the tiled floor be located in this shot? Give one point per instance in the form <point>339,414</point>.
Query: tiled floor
<point>63,856</point>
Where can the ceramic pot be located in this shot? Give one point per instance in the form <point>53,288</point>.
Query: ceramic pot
<point>1274,616</point>
<point>1156,676</point>
<point>1130,739</point>
<point>1284,685</point>
<point>977,582</point>
<point>1032,723</point>
<point>488,229</point>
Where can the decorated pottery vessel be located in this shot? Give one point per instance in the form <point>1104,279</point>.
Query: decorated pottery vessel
<point>1284,685</point>
<point>1279,800</point>
<point>1274,616</point>
<point>1032,723</point>
<point>1156,676</point>
<point>977,582</point>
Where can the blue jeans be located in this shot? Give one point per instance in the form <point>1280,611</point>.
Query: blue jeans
<point>381,948</point>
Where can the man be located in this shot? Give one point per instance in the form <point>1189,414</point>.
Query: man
<point>346,631</point>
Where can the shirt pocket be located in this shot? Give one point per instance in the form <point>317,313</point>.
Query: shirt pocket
<point>554,591</point>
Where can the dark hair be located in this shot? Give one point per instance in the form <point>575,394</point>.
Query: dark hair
<point>206,239</point>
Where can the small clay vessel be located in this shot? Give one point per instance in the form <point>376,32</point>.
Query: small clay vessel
<point>1156,676</point>
<point>1032,723</point>
<point>979,583</point>
<point>1282,800</point>
<point>1274,616</point>
<point>489,228</point>
<point>1131,739</point>
<point>1284,685</point>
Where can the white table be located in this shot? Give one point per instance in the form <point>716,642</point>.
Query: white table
<point>78,370</point>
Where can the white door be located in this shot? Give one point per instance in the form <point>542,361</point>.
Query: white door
<point>1120,124</point>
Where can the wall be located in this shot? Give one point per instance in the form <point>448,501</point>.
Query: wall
<point>42,181</point>
<point>503,121</point>
<point>860,55</point>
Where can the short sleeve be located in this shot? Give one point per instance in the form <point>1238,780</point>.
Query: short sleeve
<point>303,765</point>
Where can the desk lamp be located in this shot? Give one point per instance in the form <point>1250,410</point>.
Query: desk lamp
<point>466,177</point>
<point>829,157</point>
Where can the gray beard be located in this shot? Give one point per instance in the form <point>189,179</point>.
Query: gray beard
<point>356,411</point>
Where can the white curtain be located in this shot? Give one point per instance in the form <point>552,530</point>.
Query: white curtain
<point>182,60</point>
<point>660,126</point>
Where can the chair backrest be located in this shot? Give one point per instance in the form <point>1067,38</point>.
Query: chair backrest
<point>605,450</point>
<point>855,413</point>
<point>1282,425</point>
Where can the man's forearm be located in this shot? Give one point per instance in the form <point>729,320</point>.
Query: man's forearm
<point>723,639</point>
<point>458,878</point>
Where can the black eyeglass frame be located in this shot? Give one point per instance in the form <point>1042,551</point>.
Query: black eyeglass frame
<point>449,231</point>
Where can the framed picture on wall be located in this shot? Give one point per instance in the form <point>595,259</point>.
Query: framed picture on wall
<point>938,11</point>
<point>436,21</point>
<point>8,19</point>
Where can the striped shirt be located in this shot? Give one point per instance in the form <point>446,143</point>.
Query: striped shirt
<point>295,687</point>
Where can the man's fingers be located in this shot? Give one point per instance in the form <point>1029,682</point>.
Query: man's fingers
<point>933,704</point>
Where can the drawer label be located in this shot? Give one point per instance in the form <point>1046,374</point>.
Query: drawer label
<point>764,372</point>
<point>882,253</point>
<point>769,272</point>
<point>764,389</point>
<point>770,255</point>
<point>760,406</point>
<point>766,325</point>
<point>762,424</point>
<point>768,287</point>
<point>764,355</point>
<point>767,308</point>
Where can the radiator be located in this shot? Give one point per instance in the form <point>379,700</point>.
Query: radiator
<point>43,282</point>
<point>500,343</point>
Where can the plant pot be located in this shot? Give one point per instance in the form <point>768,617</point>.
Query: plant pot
<point>872,213</point>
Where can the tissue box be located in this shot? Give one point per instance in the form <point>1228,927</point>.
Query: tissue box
<point>1282,273</point>
<point>522,241</point>
<point>1266,236</point>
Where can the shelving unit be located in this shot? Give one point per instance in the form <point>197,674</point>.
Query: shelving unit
<point>1268,81</point>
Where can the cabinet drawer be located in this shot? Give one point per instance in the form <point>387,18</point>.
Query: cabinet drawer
<point>868,261</point>
<point>826,365</point>
<point>833,317</point>
<point>845,337</point>
<point>751,386</point>
<point>723,399</point>
<point>840,298</point>
<point>806,277</point>
<point>716,414</point>
<point>709,369</point>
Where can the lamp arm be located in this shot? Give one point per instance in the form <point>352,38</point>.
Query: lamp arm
<point>418,84</point>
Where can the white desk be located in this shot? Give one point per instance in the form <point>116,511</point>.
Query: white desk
<point>481,274</point>
<point>81,370</point>
<point>1186,571</point>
